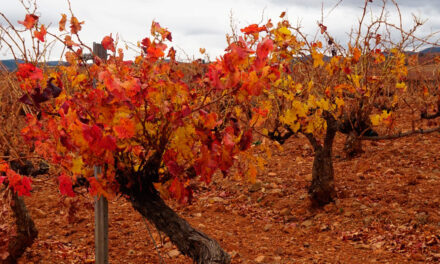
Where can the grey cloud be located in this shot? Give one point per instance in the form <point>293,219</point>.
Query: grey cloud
<point>199,23</point>
<point>356,3</point>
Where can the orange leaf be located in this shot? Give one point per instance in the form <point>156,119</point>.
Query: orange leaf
<point>156,28</point>
<point>210,121</point>
<point>155,51</point>
<point>29,21</point>
<point>107,43</point>
<point>172,54</point>
<point>323,28</point>
<point>40,34</point>
<point>125,129</point>
<point>62,24</point>
<point>75,25</point>
<point>69,42</point>
<point>356,54</point>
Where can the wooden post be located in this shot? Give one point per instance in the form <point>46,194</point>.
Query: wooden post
<point>101,204</point>
<point>101,226</point>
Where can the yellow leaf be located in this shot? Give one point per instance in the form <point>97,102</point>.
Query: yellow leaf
<point>375,119</point>
<point>285,31</point>
<point>401,85</point>
<point>310,85</point>
<point>339,102</point>
<point>310,128</point>
<point>317,59</point>
<point>238,111</point>
<point>77,165</point>
<point>295,127</point>
<point>78,79</point>
<point>323,104</point>
<point>355,78</point>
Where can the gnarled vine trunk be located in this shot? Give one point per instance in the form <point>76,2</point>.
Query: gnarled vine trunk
<point>191,242</point>
<point>322,189</point>
<point>353,145</point>
<point>26,231</point>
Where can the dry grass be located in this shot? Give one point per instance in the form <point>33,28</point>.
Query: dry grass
<point>11,116</point>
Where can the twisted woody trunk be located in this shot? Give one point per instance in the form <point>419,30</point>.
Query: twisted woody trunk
<point>322,189</point>
<point>146,200</point>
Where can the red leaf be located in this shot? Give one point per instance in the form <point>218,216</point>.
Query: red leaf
<point>29,21</point>
<point>178,191</point>
<point>264,48</point>
<point>28,70</point>
<point>65,185</point>
<point>92,134</point>
<point>347,70</point>
<point>20,184</point>
<point>107,43</point>
<point>378,39</point>
<point>25,187</point>
<point>169,159</point>
<point>254,28</point>
<point>246,140</point>
<point>228,140</point>
<point>2,179</point>
<point>146,42</point>
<point>107,143</point>
<point>40,34</point>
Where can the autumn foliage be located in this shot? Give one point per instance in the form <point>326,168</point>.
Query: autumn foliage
<point>152,124</point>
<point>120,114</point>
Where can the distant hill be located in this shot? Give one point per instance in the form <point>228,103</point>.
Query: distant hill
<point>431,50</point>
<point>11,65</point>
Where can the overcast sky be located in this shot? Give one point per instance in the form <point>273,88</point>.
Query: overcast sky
<point>203,23</point>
